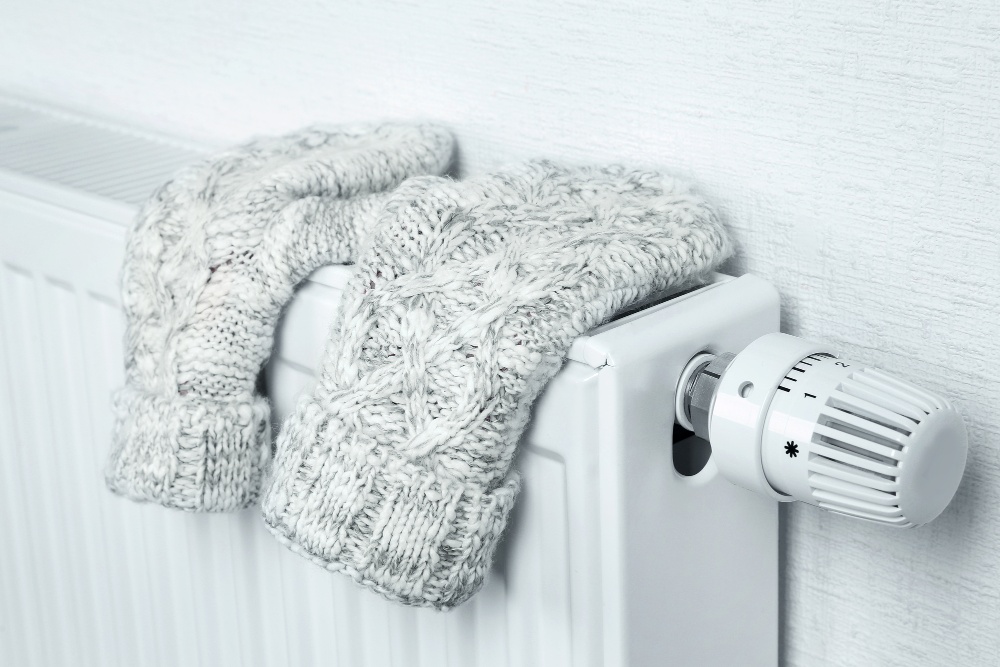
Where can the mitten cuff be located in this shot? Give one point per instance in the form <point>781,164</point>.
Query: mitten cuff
<point>196,455</point>
<point>393,526</point>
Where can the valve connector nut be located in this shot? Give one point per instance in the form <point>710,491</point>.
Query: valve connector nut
<point>701,392</point>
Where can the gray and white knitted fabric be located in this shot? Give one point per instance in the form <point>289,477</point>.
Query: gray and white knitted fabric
<point>397,469</point>
<point>210,261</point>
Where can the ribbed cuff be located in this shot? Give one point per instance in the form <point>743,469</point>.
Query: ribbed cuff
<point>393,526</point>
<point>195,455</point>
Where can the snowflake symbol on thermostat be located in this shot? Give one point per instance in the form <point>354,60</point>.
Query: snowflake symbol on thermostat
<point>791,449</point>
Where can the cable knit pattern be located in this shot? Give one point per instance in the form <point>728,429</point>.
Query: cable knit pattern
<point>397,469</point>
<point>210,261</point>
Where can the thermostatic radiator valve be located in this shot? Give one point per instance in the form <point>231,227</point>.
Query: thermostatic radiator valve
<point>790,419</point>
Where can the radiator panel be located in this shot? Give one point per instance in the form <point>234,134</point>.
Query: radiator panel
<point>88,578</point>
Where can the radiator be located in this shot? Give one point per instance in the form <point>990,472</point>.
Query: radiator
<point>613,557</point>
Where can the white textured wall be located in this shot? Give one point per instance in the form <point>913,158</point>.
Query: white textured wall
<point>852,145</point>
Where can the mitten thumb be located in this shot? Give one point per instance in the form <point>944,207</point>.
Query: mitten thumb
<point>325,230</point>
<point>328,198</point>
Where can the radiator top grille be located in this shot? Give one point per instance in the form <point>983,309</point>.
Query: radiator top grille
<point>85,155</point>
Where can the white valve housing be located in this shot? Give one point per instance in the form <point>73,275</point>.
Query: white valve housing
<point>789,419</point>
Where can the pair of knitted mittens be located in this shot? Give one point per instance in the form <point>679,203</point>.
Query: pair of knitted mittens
<point>396,468</point>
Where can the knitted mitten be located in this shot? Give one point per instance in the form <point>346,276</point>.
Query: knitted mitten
<point>210,261</point>
<point>397,469</point>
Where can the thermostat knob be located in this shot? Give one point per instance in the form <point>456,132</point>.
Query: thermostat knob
<point>792,420</point>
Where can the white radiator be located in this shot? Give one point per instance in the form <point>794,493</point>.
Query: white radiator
<point>612,558</point>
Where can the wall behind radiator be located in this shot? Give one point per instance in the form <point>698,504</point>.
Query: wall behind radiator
<point>853,149</point>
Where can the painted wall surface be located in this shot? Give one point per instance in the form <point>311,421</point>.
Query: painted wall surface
<point>853,147</point>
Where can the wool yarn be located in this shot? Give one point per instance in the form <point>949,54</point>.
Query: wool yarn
<point>210,260</point>
<point>396,469</point>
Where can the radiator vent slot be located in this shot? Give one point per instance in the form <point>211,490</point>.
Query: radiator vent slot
<point>84,155</point>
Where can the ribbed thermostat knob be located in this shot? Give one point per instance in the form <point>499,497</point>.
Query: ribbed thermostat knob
<point>790,419</point>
